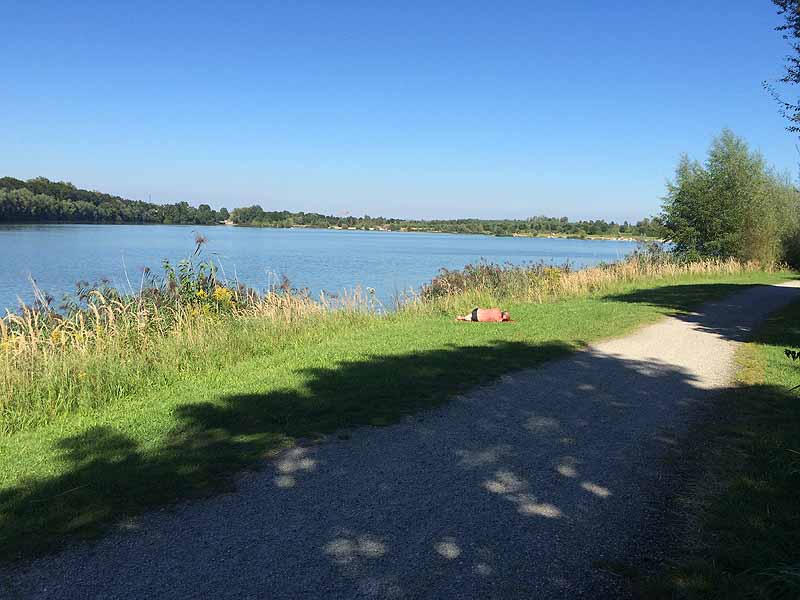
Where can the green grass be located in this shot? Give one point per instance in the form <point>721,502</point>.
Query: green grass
<point>87,470</point>
<point>744,509</point>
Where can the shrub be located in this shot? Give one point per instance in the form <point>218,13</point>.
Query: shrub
<point>733,205</point>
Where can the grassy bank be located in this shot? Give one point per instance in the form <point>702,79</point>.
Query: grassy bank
<point>264,372</point>
<point>105,346</point>
<point>743,537</point>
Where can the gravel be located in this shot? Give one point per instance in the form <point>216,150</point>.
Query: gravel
<point>520,489</point>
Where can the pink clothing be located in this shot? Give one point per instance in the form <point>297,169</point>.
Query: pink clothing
<point>490,315</point>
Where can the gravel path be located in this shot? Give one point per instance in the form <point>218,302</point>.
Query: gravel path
<point>515,490</point>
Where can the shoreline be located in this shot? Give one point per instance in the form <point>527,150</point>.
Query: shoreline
<point>549,236</point>
<point>552,236</point>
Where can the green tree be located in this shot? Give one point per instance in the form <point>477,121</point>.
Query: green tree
<point>790,28</point>
<point>42,200</point>
<point>733,205</point>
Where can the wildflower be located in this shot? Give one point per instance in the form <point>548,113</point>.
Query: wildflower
<point>82,375</point>
<point>201,294</point>
<point>222,295</point>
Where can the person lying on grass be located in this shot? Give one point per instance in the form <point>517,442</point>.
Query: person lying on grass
<point>486,315</point>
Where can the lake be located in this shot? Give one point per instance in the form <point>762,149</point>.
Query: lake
<point>57,256</point>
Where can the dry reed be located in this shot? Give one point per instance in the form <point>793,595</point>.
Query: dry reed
<point>489,282</point>
<point>106,345</point>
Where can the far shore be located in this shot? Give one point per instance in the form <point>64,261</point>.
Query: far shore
<point>552,236</point>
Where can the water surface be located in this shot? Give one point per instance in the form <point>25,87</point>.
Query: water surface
<point>57,256</point>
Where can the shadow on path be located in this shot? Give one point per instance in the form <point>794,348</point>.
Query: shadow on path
<point>726,315</point>
<point>109,475</point>
<point>516,490</point>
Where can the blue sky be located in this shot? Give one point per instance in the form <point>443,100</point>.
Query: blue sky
<point>410,109</point>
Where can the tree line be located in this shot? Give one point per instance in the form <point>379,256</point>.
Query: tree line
<point>256,216</point>
<point>40,200</point>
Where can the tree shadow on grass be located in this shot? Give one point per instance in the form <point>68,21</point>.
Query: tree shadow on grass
<point>109,477</point>
<point>535,462</point>
<point>511,492</point>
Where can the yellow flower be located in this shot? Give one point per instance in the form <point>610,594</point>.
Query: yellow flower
<point>201,294</point>
<point>222,295</point>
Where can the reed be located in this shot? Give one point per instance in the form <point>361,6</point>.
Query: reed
<point>103,345</point>
<point>486,282</point>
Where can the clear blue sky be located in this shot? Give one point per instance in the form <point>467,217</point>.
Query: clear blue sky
<point>428,109</point>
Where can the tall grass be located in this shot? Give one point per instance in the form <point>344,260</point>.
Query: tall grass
<point>104,345</point>
<point>484,282</point>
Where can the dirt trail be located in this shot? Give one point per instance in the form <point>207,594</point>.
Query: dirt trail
<point>515,490</point>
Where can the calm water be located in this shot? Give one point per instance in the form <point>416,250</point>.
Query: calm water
<point>57,256</point>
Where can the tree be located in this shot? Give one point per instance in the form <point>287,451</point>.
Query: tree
<point>42,200</point>
<point>733,205</point>
<point>204,215</point>
<point>790,11</point>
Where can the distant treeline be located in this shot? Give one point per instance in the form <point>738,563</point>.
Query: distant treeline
<point>40,200</point>
<point>257,217</point>
<point>43,201</point>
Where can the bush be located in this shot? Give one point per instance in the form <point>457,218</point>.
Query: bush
<point>791,249</point>
<point>734,205</point>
